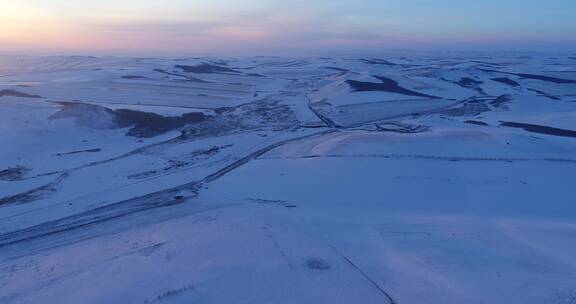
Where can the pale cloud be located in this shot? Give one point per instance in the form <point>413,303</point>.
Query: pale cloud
<point>268,25</point>
<point>19,21</point>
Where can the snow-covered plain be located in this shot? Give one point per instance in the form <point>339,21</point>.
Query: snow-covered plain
<point>422,179</point>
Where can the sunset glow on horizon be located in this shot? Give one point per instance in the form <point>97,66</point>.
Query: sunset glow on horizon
<point>260,26</point>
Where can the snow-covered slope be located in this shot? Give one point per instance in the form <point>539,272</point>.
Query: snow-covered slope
<point>288,180</point>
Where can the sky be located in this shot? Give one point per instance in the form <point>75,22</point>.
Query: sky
<point>228,27</point>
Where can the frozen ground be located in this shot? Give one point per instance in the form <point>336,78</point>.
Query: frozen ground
<point>428,179</point>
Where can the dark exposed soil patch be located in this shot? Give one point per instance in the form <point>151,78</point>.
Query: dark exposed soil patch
<point>133,77</point>
<point>378,62</point>
<point>317,264</point>
<point>470,107</point>
<point>501,100</point>
<point>540,129</point>
<point>143,124</point>
<point>337,69</point>
<point>206,68</point>
<point>186,77</point>
<point>147,124</point>
<point>471,83</point>
<point>476,122</point>
<point>542,93</point>
<point>537,77</point>
<point>477,105</point>
<point>489,64</point>
<point>80,151</point>
<point>13,93</point>
<point>173,292</point>
<point>187,160</point>
<point>13,174</point>
<point>34,194</point>
<point>255,75</point>
<point>222,110</point>
<point>387,85</point>
<point>468,82</point>
<point>507,81</point>
<point>547,78</point>
<point>404,128</point>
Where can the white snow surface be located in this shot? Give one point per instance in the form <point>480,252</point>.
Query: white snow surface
<point>398,179</point>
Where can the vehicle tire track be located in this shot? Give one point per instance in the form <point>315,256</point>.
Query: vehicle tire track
<point>36,193</point>
<point>365,275</point>
<point>432,157</point>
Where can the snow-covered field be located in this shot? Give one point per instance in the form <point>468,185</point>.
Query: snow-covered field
<point>408,180</point>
